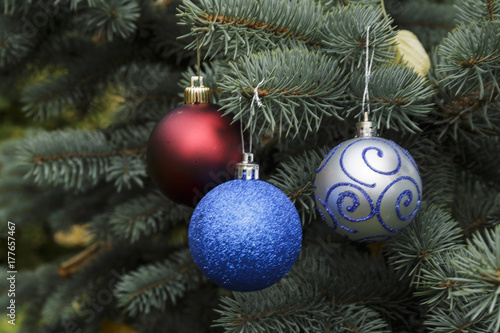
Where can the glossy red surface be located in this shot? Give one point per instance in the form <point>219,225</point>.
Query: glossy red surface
<point>191,150</point>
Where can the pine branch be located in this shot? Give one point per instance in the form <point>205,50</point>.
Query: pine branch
<point>329,5</point>
<point>331,300</point>
<point>32,290</point>
<point>468,117</point>
<point>145,216</point>
<point>379,288</point>
<point>166,28</point>
<point>20,199</point>
<point>106,19</point>
<point>62,157</point>
<point>470,74</point>
<point>432,19</point>
<point>438,171</point>
<point>252,26</point>
<point>355,318</point>
<point>296,177</point>
<point>296,87</point>
<point>437,280</point>
<point>481,265</point>
<point>13,7</point>
<point>193,313</point>
<point>399,97</point>
<point>75,209</point>
<point>81,259</point>
<point>13,45</point>
<point>485,150</point>
<point>78,160</point>
<point>275,309</point>
<point>433,232</point>
<point>141,79</point>
<point>127,135</point>
<point>455,320</point>
<point>479,11</point>
<point>87,294</point>
<point>58,307</point>
<point>154,285</point>
<point>75,87</point>
<point>144,93</point>
<point>473,61</point>
<point>350,44</point>
<point>475,206</point>
<point>127,171</point>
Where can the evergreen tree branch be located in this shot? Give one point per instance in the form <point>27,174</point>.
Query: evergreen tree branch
<point>432,21</point>
<point>105,19</point>
<point>445,319</point>
<point>13,45</point>
<point>481,265</point>
<point>485,150</point>
<point>295,178</point>
<point>33,288</point>
<point>328,301</point>
<point>354,318</point>
<point>475,206</point>
<point>296,87</point>
<point>399,97</point>
<point>77,297</point>
<point>329,5</point>
<point>350,44</point>
<point>478,11</point>
<point>75,88</point>
<point>438,170</point>
<point>20,199</point>
<point>275,309</point>
<point>152,286</point>
<point>145,216</point>
<point>437,280</point>
<point>125,171</point>
<point>78,160</point>
<point>144,93</point>
<point>250,25</point>
<point>472,61</point>
<point>433,232</point>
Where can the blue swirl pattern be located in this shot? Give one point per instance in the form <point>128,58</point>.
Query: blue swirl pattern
<point>368,189</point>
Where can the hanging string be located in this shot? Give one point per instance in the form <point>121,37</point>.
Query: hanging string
<point>368,73</point>
<point>241,131</point>
<point>255,99</point>
<point>203,30</point>
<point>198,56</point>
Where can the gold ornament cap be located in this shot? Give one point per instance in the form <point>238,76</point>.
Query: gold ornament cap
<point>199,94</point>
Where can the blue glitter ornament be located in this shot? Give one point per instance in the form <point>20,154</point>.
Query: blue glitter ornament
<point>245,234</point>
<point>368,188</point>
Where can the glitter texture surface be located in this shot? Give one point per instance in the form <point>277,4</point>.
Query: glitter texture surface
<point>245,235</point>
<point>368,189</point>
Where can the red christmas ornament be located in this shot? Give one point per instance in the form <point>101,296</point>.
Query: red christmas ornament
<point>193,148</point>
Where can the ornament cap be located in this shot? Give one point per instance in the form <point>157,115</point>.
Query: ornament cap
<point>365,128</point>
<point>247,168</point>
<point>200,94</point>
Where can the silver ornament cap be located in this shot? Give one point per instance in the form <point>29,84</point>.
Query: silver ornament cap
<point>247,169</point>
<point>365,128</point>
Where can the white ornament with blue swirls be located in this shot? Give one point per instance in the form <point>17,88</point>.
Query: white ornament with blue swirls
<point>368,189</point>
